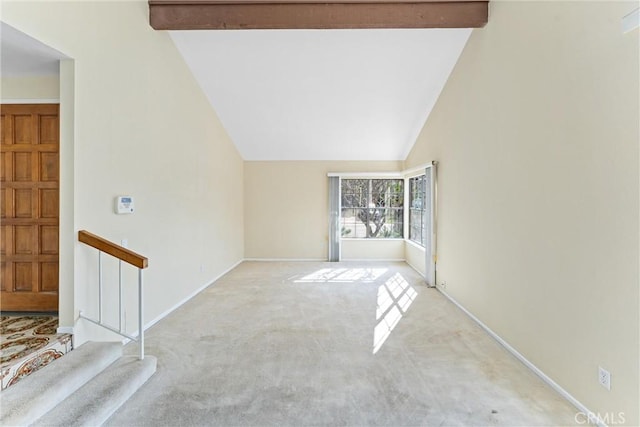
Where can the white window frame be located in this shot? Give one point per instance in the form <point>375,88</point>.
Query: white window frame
<point>408,201</point>
<point>374,175</point>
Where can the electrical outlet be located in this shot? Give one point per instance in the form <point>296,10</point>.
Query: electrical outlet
<point>604,377</point>
<point>443,285</point>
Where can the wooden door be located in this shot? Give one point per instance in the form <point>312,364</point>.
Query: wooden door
<point>30,178</point>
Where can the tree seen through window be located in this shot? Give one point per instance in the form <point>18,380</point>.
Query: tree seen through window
<point>372,208</point>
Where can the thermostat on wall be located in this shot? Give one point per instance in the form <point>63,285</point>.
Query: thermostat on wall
<point>124,205</point>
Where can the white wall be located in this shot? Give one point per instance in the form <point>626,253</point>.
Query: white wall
<point>536,134</point>
<point>415,256</point>
<point>286,209</point>
<point>31,87</point>
<point>372,249</point>
<point>142,127</point>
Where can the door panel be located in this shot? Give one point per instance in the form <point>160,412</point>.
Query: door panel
<point>48,239</point>
<point>49,276</point>
<point>29,207</point>
<point>21,167</point>
<point>3,204</point>
<point>49,167</point>
<point>23,240</point>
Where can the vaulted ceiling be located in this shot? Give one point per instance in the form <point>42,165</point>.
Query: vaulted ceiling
<point>21,55</point>
<point>308,94</point>
<point>331,80</point>
<point>322,95</point>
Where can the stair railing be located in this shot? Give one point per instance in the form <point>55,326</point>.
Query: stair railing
<point>121,254</point>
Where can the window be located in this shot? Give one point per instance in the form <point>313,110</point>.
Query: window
<point>372,208</point>
<point>418,209</point>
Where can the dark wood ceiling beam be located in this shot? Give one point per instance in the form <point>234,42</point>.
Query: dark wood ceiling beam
<point>308,14</point>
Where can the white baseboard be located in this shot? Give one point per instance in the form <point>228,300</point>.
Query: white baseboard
<point>187,298</point>
<point>322,260</point>
<point>414,268</point>
<point>286,259</point>
<point>65,330</point>
<point>564,393</point>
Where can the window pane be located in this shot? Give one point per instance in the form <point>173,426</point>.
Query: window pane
<point>418,207</point>
<point>372,208</point>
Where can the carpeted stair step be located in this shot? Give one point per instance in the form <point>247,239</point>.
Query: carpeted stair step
<point>35,395</point>
<point>97,400</point>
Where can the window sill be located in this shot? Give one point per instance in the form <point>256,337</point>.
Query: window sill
<point>361,239</point>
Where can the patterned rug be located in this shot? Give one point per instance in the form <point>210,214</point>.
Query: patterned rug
<point>27,343</point>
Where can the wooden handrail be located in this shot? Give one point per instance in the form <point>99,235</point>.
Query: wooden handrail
<point>112,249</point>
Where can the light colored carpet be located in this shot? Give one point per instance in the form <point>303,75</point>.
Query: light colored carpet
<point>332,344</point>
